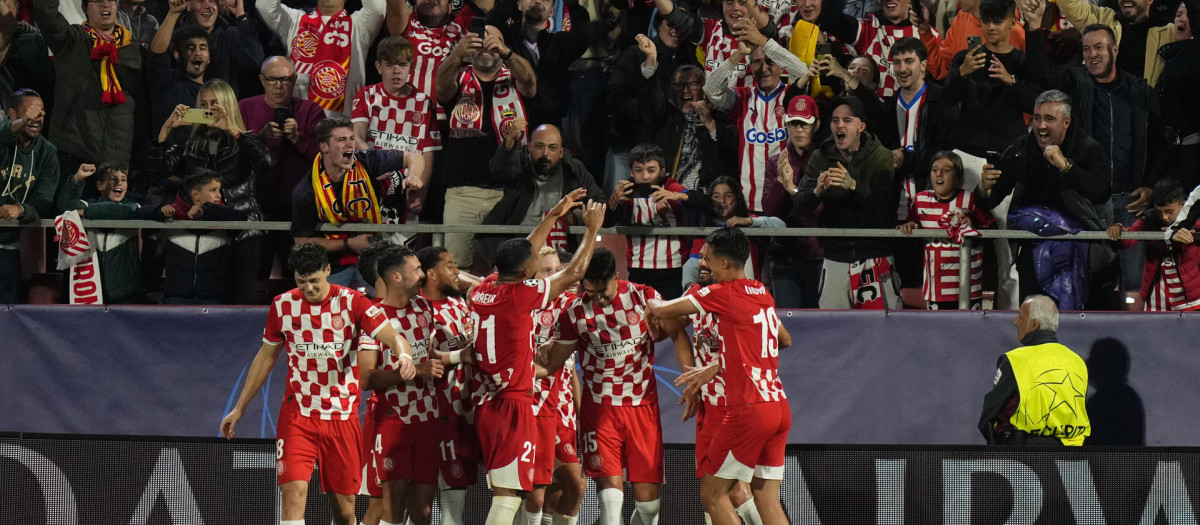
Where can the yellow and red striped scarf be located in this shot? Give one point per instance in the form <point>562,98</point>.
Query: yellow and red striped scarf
<point>358,203</point>
<point>105,50</point>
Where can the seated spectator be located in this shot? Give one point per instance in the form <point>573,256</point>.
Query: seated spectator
<point>700,144</point>
<point>728,208</point>
<point>26,63</point>
<point>1062,170</point>
<point>716,38</point>
<point>328,44</point>
<point>758,110</point>
<point>484,102</point>
<point>198,261</point>
<point>966,24</point>
<point>237,156</point>
<point>133,15</point>
<point>339,176</point>
<point>287,126</point>
<point>850,176</point>
<point>946,206</point>
<point>1171,273</point>
<point>29,181</point>
<point>651,198</point>
<point>394,115</point>
<point>795,262</point>
<point>117,250</point>
<point>1133,29</point>
<point>170,86</point>
<point>874,34</point>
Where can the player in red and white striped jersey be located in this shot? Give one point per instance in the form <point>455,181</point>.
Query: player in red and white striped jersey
<point>749,443</point>
<point>875,34</point>
<point>651,198</point>
<point>619,416</point>
<point>716,38</point>
<point>503,353</point>
<point>759,111</point>
<point>319,323</point>
<point>433,29</point>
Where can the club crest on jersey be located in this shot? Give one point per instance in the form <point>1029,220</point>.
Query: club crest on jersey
<point>632,318</point>
<point>546,319</point>
<point>423,321</point>
<point>569,448</point>
<point>779,110</point>
<point>338,322</point>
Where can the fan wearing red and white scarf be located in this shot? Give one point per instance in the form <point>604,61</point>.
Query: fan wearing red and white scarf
<point>104,49</point>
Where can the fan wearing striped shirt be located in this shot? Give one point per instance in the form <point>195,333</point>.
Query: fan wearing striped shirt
<point>1171,279</point>
<point>651,197</point>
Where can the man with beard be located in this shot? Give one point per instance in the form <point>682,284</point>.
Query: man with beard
<point>1132,29</point>
<point>170,86</point>
<point>701,146</point>
<point>433,30</point>
<point>235,49</point>
<point>29,177</point>
<point>1120,110</point>
<point>875,34</point>
<point>718,38</point>
<point>525,26</point>
<point>485,102</point>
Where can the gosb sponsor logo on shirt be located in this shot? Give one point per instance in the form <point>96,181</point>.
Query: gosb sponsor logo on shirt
<point>770,136</point>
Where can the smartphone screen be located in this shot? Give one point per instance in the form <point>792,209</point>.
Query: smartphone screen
<point>478,26</point>
<point>642,189</point>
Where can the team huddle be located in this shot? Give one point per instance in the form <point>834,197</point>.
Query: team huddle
<point>460,371</point>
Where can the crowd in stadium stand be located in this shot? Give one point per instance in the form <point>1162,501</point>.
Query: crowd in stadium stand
<point>1047,116</point>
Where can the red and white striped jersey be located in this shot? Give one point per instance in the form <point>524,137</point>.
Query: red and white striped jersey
<point>784,13</point>
<point>503,345</point>
<point>545,330</point>
<point>322,348</point>
<point>718,46</point>
<point>759,117</point>
<point>431,45</point>
<point>404,123</point>
<point>706,348</point>
<point>566,394</point>
<point>1166,294</point>
<point>615,344</point>
<point>651,252</point>
<point>875,38</point>
<point>452,331</point>
<point>414,400</point>
<point>941,255</point>
<point>748,329</point>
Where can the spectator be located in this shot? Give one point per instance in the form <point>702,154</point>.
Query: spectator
<point>484,101</point>
<point>189,48</point>
<point>340,176</point>
<point>687,129</point>
<point>850,176</point>
<point>716,38</point>
<point>946,206</point>
<point>727,207</point>
<point>394,115</point>
<point>651,198</point>
<point>803,43</point>
<point>1171,272</point>
<point>237,155</point>
<point>523,24</point>
<point>535,178</point>
<point>116,249</point>
<point>1131,25</point>
<point>865,70</point>
<point>141,24</point>
<point>24,58</point>
<point>29,181</point>
<point>1119,110</point>
<point>874,35</point>
<point>236,51</point>
<point>795,262</point>
<point>433,31</point>
<point>96,113</point>
<point>287,126</point>
<point>1062,169</point>
<point>966,24</point>
<point>328,45</point>
<point>1177,88</point>
<point>759,110</point>
<point>198,261</point>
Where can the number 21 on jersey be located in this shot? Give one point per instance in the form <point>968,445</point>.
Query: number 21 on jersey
<point>768,323</point>
<point>485,328</point>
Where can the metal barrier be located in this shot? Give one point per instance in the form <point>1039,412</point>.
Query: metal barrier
<point>964,253</point>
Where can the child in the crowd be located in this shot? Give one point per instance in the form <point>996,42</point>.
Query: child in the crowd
<point>198,262</point>
<point>117,250</point>
<point>728,208</point>
<point>946,206</point>
<point>652,198</point>
<point>1171,278</point>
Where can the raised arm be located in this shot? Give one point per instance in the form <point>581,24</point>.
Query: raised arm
<point>396,19</point>
<point>446,84</point>
<point>716,86</point>
<point>593,218</point>
<point>522,71</point>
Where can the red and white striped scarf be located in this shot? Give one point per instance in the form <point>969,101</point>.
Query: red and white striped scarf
<point>76,252</point>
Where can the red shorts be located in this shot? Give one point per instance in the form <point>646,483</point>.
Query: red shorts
<point>622,439</point>
<point>370,479</point>
<point>708,419</point>
<point>564,444</point>
<point>749,442</point>
<point>458,450</point>
<point>543,461</point>
<point>507,441</point>
<point>407,451</point>
<point>302,442</point>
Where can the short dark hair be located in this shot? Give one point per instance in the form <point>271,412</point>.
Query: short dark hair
<point>512,256</point>
<point>687,68</point>
<point>325,127</point>
<point>909,44</point>
<point>1168,190</point>
<point>391,259</point>
<point>996,10</point>
<point>186,34</point>
<point>368,259</point>
<point>645,153</point>
<point>307,258</point>
<point>430,256</point>
<point>564,256</point>
<point>394,49</point>
<point>108,169</point>
<point>18,97</point>
<point>199,178</point>
<point>602,268</point>
<point>1091,28</point>
<point>730,244</point>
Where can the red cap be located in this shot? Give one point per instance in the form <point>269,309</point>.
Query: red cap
<point>801,108</point>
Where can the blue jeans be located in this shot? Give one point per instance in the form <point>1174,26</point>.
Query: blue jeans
<point>796,285</point>
<point>1131,260</point>
<point>349,277</point>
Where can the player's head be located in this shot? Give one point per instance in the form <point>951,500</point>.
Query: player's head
<point>548,262</point>
<point>368,260</point>
<point>441,272</point>
<point>401,270</point>
<point>725,253</point>
<point>310,267</point>
<point>600,279</point>
<point>514,259</point>
<point>1169,197</point>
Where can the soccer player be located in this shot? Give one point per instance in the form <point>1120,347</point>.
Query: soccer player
<point>619,417</point>
<point>321,324</point>
<point>748,444</point>
<point>503,306</point>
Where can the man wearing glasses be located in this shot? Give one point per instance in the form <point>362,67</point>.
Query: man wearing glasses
<point>287,125</point>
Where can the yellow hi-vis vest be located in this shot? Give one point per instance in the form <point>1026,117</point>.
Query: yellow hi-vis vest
<point>1052,381</point>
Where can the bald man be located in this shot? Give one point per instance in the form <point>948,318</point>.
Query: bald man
<point>535,177</point>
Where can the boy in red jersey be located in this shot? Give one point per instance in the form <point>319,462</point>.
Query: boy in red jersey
<point>748,444</point>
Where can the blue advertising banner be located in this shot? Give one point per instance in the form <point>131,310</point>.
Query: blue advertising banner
<point>907,377</point>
